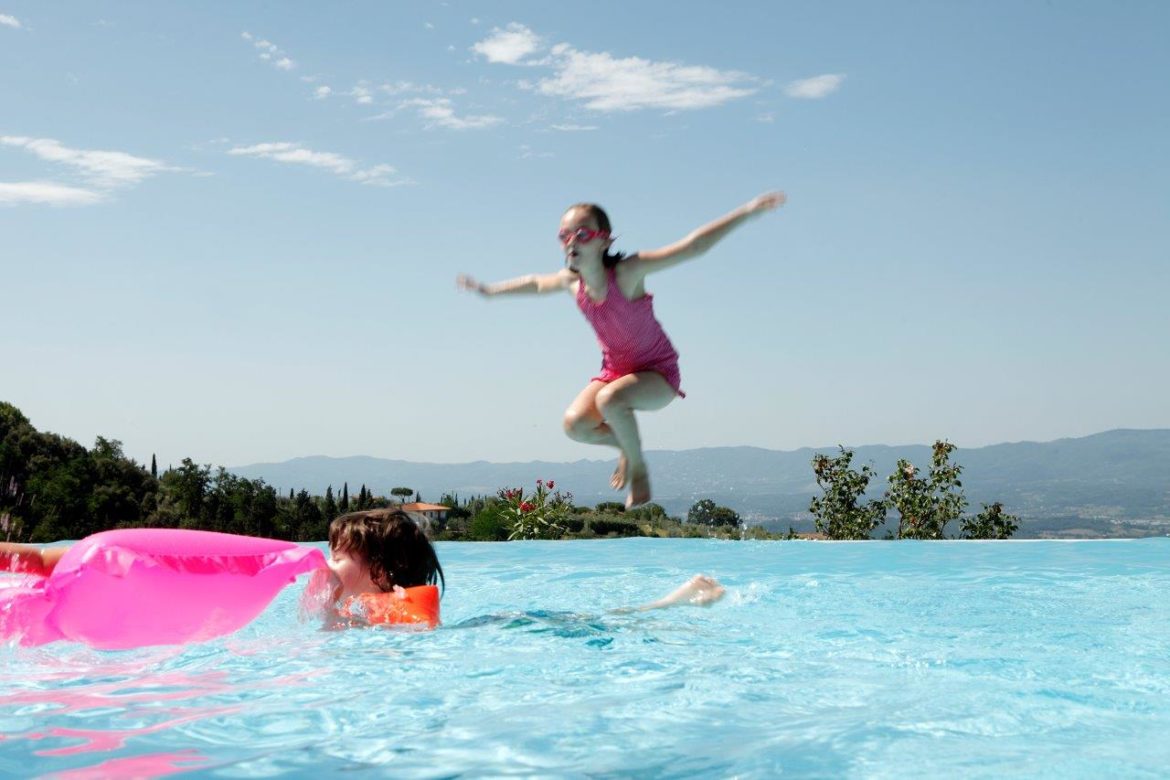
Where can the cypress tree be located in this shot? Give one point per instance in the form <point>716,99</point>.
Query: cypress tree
<point>330,506</point>
<point>344,505</point>
<point>153,466</point>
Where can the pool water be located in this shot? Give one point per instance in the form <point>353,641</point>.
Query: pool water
<point>869,659</point>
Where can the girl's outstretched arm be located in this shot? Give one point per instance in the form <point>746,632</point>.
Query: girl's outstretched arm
<point>698,591</point>
<point>533,284</point>
<point>702,239</point>
<point>26,559</point>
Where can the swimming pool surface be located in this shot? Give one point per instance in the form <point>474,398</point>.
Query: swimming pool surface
<point>871,659</point>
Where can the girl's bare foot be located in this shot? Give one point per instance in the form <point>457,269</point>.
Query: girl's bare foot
<point>639,479</point>
<point>618,480</point>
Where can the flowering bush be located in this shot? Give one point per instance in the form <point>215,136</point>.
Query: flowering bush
<point>927,503</point>
<point>538,515</point>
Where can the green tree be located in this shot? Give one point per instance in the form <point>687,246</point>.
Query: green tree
<point>488,525</point>
<point>649,513</point>
<point>991,523</point>
<point>707,512</point>
<point>926,505</point>
<point>263,518</point>
<point>188,485</point>
<point>455,510</point>
<point>841,513</point>
<point>723,517</point>
<point>329,505</point>
<point>343,505</point>
<point>309,523</point>
<point>701,512</point>
<point>119,486</point>
<point>402,493</point>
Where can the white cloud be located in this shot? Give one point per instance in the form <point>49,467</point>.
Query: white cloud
<point>46,193</point>
<point>381,175</point>
<point>608,83</point>
<point>815,87</point>
<point>282,151</point>
<point>292,153</point>
<point>10,21</point>
<point>322,92</point>
<point>441,113</point>
<point>270,52</point>
<point>361,95</point>
<point>405,87</point>
<point>509,45</point>
<point>104,169</point>
<point>569,128</point>
<point>528,153</point>
<point>379,117</point>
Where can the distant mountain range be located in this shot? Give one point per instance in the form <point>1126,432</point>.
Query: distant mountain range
<point>1115,483</point>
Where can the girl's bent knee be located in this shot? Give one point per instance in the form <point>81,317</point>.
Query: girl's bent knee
<point>576,424</point>
<point>609,399</point>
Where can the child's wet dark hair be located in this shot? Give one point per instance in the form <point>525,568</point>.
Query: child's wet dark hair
<point>597,212</point>
<point>392,545</point>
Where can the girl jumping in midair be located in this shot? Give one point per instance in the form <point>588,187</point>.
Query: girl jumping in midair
<point>639,366</point>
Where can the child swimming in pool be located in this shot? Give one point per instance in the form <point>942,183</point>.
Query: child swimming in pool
<point>639,365</point>
<point>373,552</point>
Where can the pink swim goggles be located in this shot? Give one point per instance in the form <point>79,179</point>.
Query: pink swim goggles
<point>583,235</point>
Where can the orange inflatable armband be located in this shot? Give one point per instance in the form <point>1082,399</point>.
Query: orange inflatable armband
<point>418,605</point>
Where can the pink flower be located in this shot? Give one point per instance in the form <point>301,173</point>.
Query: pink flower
<point>539,482</point>
<point>527,506</point>
<point>551,484</point>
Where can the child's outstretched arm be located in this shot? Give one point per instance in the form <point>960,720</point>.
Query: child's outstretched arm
<point>698,591</point>
<point>533,284</point>
<point>702,239</point>
<point>26,559</point>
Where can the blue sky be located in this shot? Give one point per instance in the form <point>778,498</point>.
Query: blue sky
<point>231,231</point>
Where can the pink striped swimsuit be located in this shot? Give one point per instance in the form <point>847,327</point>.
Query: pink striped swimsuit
<point>631,338</point>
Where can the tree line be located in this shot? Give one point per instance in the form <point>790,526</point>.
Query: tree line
<point>53,488</point>
<point>548,513</point>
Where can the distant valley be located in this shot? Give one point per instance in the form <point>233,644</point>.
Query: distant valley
<point>1109,484</point>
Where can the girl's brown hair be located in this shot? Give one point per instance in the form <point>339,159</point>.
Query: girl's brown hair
<point>392,545</point>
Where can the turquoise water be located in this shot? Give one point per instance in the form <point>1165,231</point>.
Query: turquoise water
<point>879,659</point>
